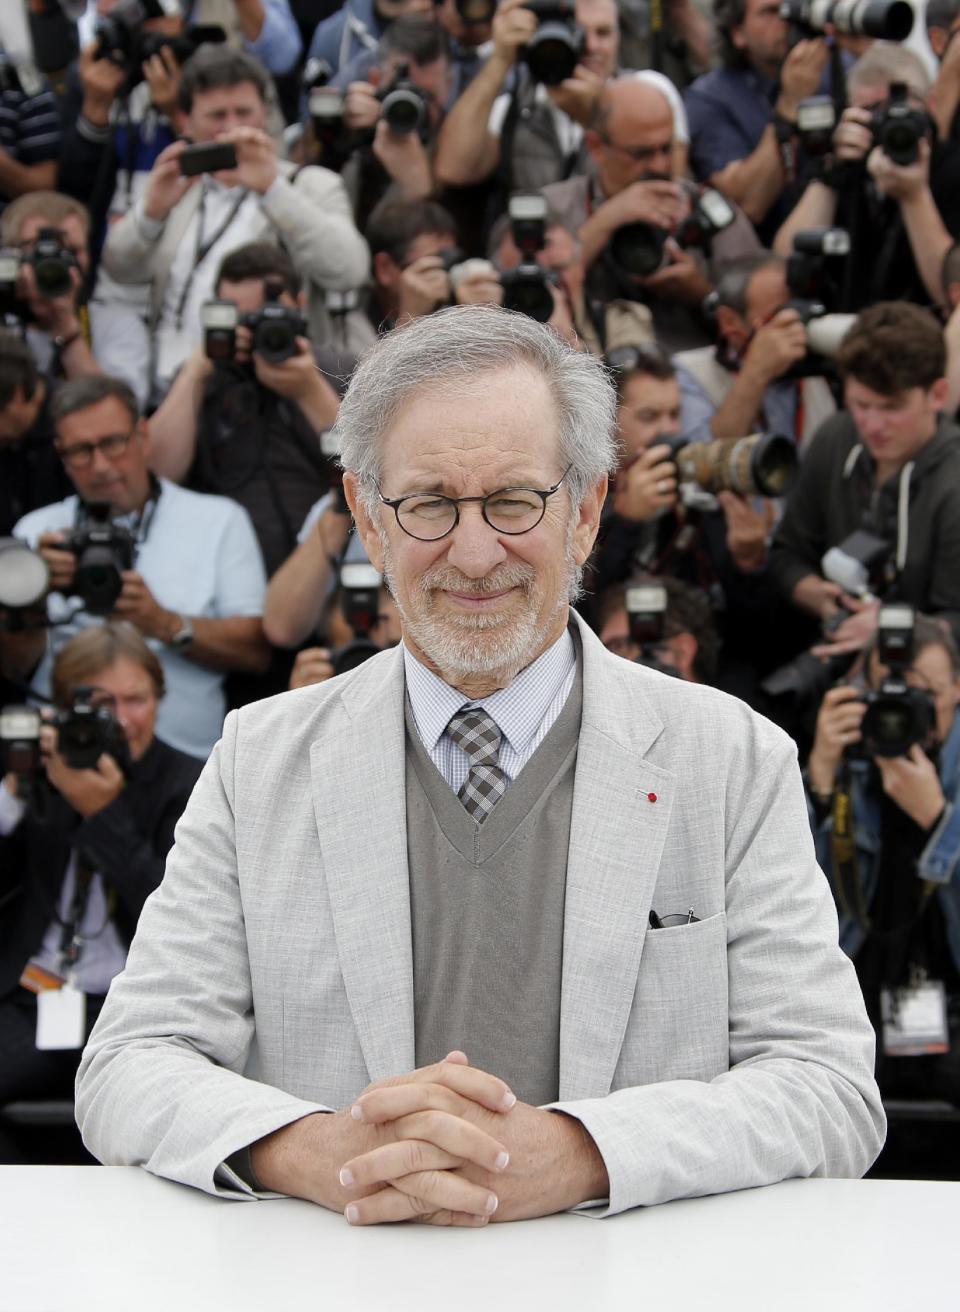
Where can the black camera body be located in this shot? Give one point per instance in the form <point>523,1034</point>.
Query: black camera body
<point>20,740</point>
<point>898,716</point>
<point>52,263</point>
<point>555,49</point>
<point>898,128</point>
<point>360,585</point>
<point>275,330</point>
<point>646,605</point>
<point>403,107</point>
<point>526,288</point>
<point>86,730</point>
<point>639,249</point>
<point>103,551</point>
<point>121,37</point>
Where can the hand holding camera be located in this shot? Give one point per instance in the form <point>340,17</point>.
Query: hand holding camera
<point>801,74</point>
<point>403,156</point>
<point>648,486</point>
<point>312,665</point>
<point>137,604</point>
<point>477,284</point>
<point>853,135</point>
<point>748,530</point>
<point>680,278</point>
<point>577,95</point>
<point>49,283</point>
<point>913,783</point>
<point>852,634</point>
<point>776,346</point>
<point>663,204</point>
<point>61,561</point>
<point>361,107</point>
<point>513,26</point>
<point>161,72</point>
<point>88,790</point>
<point>424,285</point>
<point>294,377</point>
<point>256,156</point>
<point>902,182</point>
<point>102,81</point>
<point>838,728</point>
<point>167,184</point>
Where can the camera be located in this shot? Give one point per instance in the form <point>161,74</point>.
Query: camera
<point>639,249</point>
<point>646,605</point>
<point>554,50</point>
<point>898,716</point>
<point>816,119</point>
<point>52,264</point>
<point>121,39</point>
<point>527,287</point>
<point>763,464</point>
<point>890,20</point>
<point>88,729</point>
<point>103,551</point>
<point>403,106</point>
<point>20,740</point>
<point>219,320</point>
<point>814,276</point>
<point>274,328</point>
<point>898,128</point>
<point>360,585</point>
<point>24,577</point>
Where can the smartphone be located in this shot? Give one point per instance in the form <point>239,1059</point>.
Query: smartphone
<point>208,157</point>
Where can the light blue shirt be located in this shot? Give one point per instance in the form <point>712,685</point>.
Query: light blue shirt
<point>200,558</point>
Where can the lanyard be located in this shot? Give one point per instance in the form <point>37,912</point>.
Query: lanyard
<point>203,247</point>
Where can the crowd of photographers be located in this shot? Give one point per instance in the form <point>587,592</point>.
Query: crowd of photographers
<point>209,209</point>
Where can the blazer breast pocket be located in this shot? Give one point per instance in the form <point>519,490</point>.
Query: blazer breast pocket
<point>678,1028</point>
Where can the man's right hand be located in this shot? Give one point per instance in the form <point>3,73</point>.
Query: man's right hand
<point>852,137</point>
<point>661,203</point>
<point>424,285</point>
<point>801,73</point>
<point>838,727</point>
<point>101,80</point>
<point>776,346</point>
<point>648,486</point>
<point>311,666</point>
<point>61,563</point>
<point>513,26</point>
<point>305,1159</point>
<point>166,185</point>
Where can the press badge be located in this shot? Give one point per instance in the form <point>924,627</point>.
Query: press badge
<point>61,1018</point>
<point>915,1020</point>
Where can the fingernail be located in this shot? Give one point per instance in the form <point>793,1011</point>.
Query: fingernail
<point>478,1220</point>
<point>346,1176</point>
<point>508,1100</point>
<point>356,1113</point>
<point>352,1214</point>
<point>503,1160</point>
<point>491,1205</point>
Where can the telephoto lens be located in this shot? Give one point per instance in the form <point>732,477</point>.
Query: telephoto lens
<point>764,464</point>
<point>889,20</point>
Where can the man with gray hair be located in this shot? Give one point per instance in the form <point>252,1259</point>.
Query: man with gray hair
<point>576,899</point>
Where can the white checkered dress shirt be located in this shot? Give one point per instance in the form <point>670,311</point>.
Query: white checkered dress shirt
<point>524,711</point>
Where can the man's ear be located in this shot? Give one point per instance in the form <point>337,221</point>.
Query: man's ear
<point>938,394</point>
<point>367,530</point>
<point>731,327</point>
<point>588,521</point>
<point>384,269</point>
<point>937,36</point>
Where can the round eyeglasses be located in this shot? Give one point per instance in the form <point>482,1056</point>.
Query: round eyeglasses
<point>429,516</point>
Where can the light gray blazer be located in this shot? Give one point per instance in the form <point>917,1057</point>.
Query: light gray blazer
<point>271,974</point>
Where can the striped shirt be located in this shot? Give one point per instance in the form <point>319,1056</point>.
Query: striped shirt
<point>524,711</point>
<point>29,126</point>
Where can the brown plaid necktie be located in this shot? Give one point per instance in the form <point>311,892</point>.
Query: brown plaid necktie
<point>477,734</point>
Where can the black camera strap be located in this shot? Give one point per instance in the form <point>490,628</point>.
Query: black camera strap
<point>845,868</point>
<point>71,940</point>
<point>141,522</point>
<point>203,246</point>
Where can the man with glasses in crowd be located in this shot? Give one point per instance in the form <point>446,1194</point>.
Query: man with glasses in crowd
<point>196,583</point>
<point>576,899</point>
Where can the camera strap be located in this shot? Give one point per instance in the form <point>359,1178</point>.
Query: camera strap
<point>140,522</point>
<point>71,940</point>
<point>845,867</point>
<point>204,245</point>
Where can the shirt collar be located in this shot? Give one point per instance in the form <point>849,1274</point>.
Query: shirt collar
<point>518,708</point>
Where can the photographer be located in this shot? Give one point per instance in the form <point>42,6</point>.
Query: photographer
<point>688,647</point>
<point>244,425</point>
<point>181,228</point>
<point>183,567</point>
<point>51,234</point>
<point>888,464</point>
<point>357,26</point>
<point>559,258</point>
<point>748,381</point>
<point>317,664</point>
<point>395,151</point>
<point>892,851</point>
<point>634,185</point>
<point>80,859</point>
<point>901,217</point>
<point>653,525</point>
<point>509,122</point>
<point>741,113</point>
<point>31,473</point>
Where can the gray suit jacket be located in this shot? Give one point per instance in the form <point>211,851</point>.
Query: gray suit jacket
<point>271,974</point>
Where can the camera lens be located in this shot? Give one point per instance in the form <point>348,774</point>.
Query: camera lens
<point>638,248</point>
<point>403,112</point>
<point>52,277</point>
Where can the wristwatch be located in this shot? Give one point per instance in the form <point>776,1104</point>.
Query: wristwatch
<point>183,636</point>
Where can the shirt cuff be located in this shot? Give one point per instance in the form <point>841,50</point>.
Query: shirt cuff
<point>149,228</point>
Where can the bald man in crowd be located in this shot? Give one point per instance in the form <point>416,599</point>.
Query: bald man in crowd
<point>634,179</point>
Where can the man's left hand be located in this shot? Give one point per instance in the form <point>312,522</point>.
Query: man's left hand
<point>577,95</point>
<point>404,158</point>
<point>680,280</point>
<point>56,315</point>
<point>748,530</point>
<point>902,182</point>
<point>854,633</point>
<point>256,160</point>
<point>913,783</point>
<point>554,1163</point>
<point>86,791</point>
<point>137,604</point>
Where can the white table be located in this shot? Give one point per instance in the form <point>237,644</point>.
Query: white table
<point>115,1239</point>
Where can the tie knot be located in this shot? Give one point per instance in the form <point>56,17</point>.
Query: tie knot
<point>476,733</point>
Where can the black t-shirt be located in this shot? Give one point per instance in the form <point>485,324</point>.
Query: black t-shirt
<point>31,473</point>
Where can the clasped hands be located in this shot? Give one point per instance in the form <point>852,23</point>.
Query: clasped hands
<point>444,1145</point>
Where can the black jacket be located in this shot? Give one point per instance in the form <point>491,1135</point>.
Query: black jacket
<point>835,495</point>
<point>127,843</point>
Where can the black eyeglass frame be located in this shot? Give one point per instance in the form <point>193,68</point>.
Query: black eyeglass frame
<point>543,493</point>
<point>80,455</point>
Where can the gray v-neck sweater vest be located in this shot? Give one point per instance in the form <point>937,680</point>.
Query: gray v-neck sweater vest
<point>486,909</point>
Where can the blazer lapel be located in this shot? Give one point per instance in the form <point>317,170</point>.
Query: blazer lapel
<point>621,810</point>
<point>358,777</point>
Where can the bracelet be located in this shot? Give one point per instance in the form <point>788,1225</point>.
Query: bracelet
<point>63,343</point>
